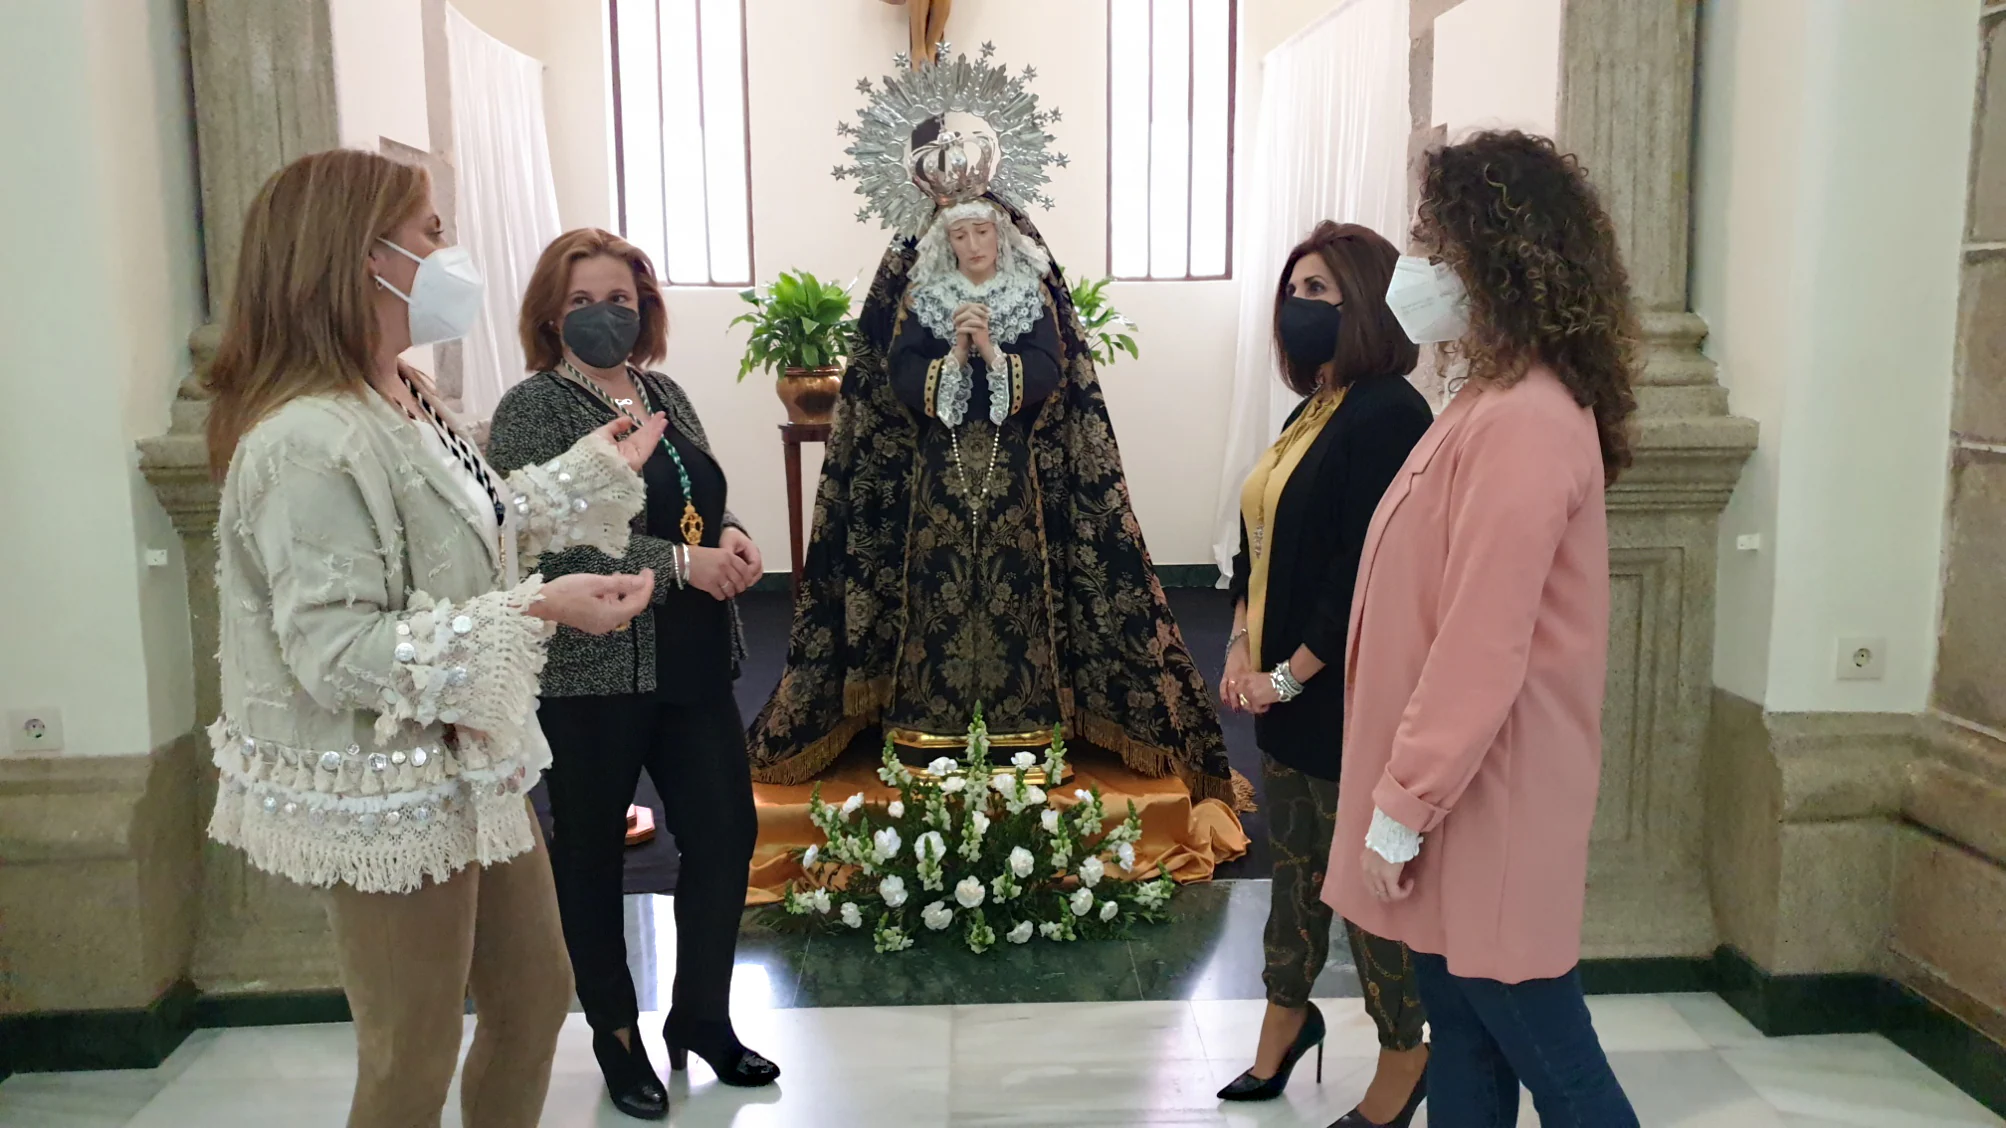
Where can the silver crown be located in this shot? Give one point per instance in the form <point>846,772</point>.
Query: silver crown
<point>955,168</point>
<point>905,185</point>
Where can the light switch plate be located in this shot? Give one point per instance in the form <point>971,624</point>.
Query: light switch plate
<point>35,730</point>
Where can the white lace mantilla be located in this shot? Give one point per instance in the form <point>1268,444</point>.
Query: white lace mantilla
<point>1014,298</point>
<point>382,821</point>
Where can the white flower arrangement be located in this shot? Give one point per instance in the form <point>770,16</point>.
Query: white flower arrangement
<point>994,857</point>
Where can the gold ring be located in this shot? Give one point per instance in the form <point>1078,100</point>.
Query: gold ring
<point>1243,701</point>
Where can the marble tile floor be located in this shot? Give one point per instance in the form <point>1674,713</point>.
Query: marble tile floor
<point>1687,1061</point>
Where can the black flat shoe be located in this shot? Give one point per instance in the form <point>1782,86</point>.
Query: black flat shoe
<point>630,1076</point>
<point>721,1050</point>
<point>1356,1119</point>
<point>1247,1087</point>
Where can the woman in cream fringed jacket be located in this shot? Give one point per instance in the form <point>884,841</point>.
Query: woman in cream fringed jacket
<point>380,652</point>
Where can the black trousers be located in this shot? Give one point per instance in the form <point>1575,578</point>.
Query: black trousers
<point>696,756</point>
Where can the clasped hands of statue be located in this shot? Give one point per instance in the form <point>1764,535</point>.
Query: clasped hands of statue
<point>971,335</point>
<point>602,604</point>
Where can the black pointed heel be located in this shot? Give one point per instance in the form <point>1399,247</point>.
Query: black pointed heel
<point>1356,1119</point>
<point>721,1050</point>
<point>1247,1087</point>
<point>630,1076</point>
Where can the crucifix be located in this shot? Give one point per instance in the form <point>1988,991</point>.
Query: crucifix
<point>928,19</point>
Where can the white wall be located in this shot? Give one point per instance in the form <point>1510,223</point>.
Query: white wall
<point>379,73</point>
<point>806,55</point>
<point>1497,66</point>
<point>97,212</point>
<point>1830,176</point>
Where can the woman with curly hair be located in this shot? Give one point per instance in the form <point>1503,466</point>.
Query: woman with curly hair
<point>1479,635</point>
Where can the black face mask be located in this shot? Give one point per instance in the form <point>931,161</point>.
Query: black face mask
<point>603,334</point>
<point>1309,332</point>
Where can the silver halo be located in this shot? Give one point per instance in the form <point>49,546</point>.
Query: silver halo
<point>912,97</point>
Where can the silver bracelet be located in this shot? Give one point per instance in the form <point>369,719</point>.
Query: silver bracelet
<point>1287,688</point>
<point>1235,640</point>
<point>680,557</point>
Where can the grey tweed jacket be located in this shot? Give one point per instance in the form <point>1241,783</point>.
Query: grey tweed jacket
<point>539,419</point>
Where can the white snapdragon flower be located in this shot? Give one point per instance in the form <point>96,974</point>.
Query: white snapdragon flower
<point>1091,872</point>
<point>820,900</point>
<point>953,785</point>
<point>1024,760</point>
<point>937,916</point>
<point>885,844</point>
<point>1003,785</point>
<point>1019,934</point>
<point>810,856</point>
<point>892,889</point>
<point>896,809</point>
<point>852,805</point>
<point>1034,796</point>
<point>1108,910</point>
<point>1082,902</point>
<point>1051,930</point>
<point>1083,795</point>
<point>1125,853</point>
<point>852,916</point>
<point>1049,819</point>
<point>978,822</point>
<point>929,847</point>
<point>1021,862</point>
<point>969,893</point>
<point>945,765</point>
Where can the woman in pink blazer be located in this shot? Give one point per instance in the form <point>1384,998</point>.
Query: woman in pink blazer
<point>1478,641</point>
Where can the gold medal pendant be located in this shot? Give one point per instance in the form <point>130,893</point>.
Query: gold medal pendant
<point>692,525</point>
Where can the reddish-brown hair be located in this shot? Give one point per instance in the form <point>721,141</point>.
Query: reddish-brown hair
<point>1370,342</point>
<point>543,305</point>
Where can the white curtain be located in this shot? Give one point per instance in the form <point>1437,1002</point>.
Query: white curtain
<point>507,197</point>
<point>1330,143</point>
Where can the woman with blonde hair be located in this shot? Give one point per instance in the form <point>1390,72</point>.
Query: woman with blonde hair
<point>380,653</point>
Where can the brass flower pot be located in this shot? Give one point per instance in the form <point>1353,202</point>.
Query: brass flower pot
<point>809,394</point>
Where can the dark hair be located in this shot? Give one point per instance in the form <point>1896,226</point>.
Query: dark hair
<point>1369,340</point>
<point>543,298</point>
<point>1522,226</point>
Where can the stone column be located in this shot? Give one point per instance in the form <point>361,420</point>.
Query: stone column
<point>1626,109</point>
<point>264,94</point>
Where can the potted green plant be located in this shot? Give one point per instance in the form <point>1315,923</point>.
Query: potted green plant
<point>1108,332</point>
<point>800,332</point>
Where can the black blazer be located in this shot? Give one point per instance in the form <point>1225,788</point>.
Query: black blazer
<point>1318,531</point>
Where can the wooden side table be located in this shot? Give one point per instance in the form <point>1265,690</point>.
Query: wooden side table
<point>792,435</point>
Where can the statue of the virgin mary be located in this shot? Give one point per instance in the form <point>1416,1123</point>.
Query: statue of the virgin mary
<point>973,540</point>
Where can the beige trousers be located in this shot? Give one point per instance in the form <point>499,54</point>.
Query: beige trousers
<point>408,964</point>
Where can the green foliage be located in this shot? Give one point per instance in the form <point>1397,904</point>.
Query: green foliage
<point>977,854</point>
<point>797,322</point>
<point>1108,332</point>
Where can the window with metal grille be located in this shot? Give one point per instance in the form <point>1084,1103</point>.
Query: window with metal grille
<point>682,147</point>
<point>1170,138</point>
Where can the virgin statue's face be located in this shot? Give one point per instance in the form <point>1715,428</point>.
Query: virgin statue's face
<point>974,242</point>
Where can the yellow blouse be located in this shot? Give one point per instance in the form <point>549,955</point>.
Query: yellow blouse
<point>1263,492</point>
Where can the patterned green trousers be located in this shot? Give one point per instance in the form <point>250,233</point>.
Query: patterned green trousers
<point>1302,816</point>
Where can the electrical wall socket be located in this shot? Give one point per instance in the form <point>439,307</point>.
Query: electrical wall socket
<point>35,730</point>
<point>1862,659</point>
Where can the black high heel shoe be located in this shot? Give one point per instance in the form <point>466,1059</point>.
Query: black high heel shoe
<point>1356,1119</point>
<point>718,1045</point>
<point>630,1076</point>
<point>1247,1087</point>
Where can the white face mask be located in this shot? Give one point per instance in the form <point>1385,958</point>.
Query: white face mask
<point>445,297</point>
<point>1428,300</point>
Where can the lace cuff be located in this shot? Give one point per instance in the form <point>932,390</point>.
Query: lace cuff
<point>586,496</point>
<point>1006,387</point>
<point>1391,840</point>
<point>476,664</point>
<point>951,388</point>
